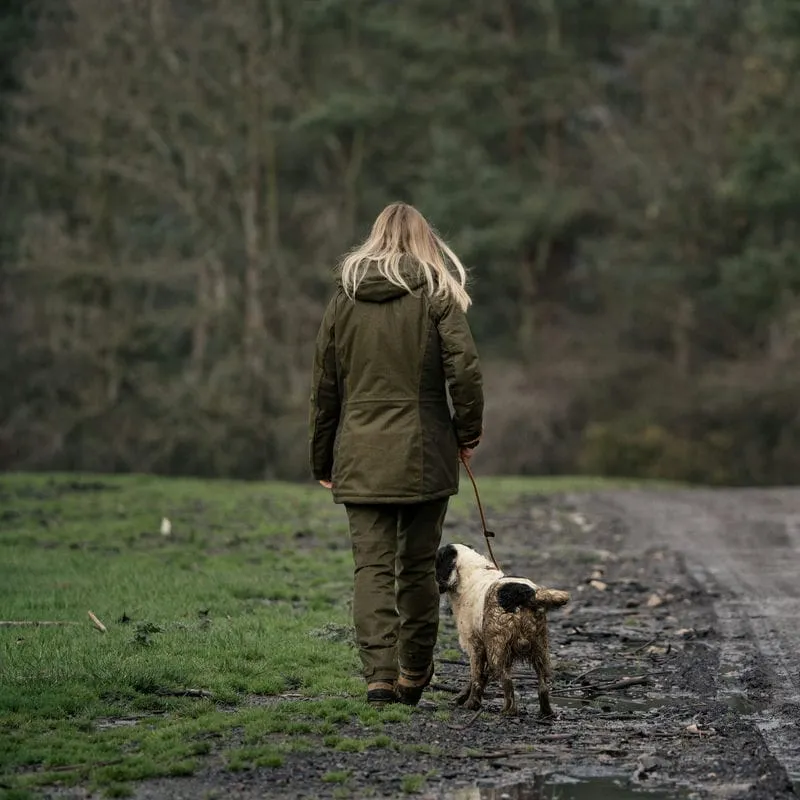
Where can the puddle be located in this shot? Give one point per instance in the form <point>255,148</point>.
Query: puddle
<point>741,704</point>
<point>601,689</point>
<point>613,672</point>
<point>646,705</point>
<point>562,787</point>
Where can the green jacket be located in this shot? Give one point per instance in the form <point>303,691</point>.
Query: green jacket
<point>381,428</point>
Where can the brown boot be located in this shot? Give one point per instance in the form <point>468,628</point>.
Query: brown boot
<point>381,693</point>
<point>410,684</point>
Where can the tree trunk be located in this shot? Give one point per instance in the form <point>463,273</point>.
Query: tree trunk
<point>537,265</point>
<point>682,336</point>
<point>203,303</point>
<point>251,219</point>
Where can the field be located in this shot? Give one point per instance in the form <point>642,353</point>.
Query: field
<point>246,599</point>
<point>226,663</point>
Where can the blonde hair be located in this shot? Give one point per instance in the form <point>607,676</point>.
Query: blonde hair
<point>401,230</point>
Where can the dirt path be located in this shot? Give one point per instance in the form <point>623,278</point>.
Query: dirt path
<point>743,546</point>
<point>692,594</point>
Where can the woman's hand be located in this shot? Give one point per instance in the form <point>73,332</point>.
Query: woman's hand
<point>465,454</point>
<point>326,484</point>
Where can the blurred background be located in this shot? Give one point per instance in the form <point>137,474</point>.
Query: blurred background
<point>621,177</point>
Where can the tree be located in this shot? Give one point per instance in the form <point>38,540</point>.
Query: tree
<point>619,178</point>
<point>167,270</point>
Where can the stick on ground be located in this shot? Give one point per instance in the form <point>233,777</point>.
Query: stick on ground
<point>184,693</point>
<point>443,687</point>
<point>595,688</point>
<point>32,623</point>
<point>512,751</point>
<point>467,723</point>
<point>87,766</point>
<point>99,625</point>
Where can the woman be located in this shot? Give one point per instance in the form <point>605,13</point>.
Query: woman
<point>393,338</point>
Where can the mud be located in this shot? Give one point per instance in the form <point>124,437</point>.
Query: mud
<point>676,667</point>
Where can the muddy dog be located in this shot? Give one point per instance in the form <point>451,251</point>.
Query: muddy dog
<point>500,620</point>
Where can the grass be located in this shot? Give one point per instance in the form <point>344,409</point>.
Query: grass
<point>411,784</point>
<point>336,777</point>
<point>245,599</point>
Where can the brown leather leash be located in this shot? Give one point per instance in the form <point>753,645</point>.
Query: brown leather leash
<point>487,534</point>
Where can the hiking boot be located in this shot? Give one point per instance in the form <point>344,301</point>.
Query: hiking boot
<point>411,684</point>
<point>381,693</point>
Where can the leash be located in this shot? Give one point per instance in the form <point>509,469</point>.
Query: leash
<point>487,534</point>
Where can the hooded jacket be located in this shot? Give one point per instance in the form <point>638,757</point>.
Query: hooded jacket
<point>381,427</point>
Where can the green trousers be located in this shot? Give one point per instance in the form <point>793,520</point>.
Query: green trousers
<point>395,597</point>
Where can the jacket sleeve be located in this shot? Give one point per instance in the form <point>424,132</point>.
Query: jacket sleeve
<point>463,372</point>
<point>325,400</point>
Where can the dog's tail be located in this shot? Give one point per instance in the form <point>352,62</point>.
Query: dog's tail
<point>551,598</point>
<point>512,596</point>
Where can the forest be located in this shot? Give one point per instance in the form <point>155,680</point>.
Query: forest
<point>178,180</point>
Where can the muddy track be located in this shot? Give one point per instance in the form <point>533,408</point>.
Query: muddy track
<point>676,666</point>
<point>743,547</point>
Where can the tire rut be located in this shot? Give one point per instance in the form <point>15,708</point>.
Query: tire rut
<point>744,547</point>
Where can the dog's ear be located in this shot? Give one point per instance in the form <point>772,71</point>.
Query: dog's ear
<point>512,596</point>
<point>446,557</point>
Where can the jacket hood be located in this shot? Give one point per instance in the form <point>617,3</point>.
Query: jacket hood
<point>374,288</point>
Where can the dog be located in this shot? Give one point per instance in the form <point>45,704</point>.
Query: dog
<point>500,620</point>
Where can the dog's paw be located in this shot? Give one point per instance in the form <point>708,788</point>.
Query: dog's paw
<point>472,704</point>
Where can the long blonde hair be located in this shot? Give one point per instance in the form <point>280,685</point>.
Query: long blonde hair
<point>401,230</point>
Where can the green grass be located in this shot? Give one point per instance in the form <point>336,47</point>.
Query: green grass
<point>336,777</point>
<point>246,598</point>
<point>412,784</point>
